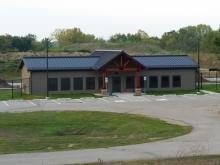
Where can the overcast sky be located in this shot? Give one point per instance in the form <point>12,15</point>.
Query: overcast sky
<point>105,17</point>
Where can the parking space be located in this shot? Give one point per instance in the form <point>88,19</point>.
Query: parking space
<point>119,98</point>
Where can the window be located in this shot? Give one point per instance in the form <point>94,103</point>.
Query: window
<point>153,80</point>
<point>176,81</point>
<point>130,82</point>
<point>90,83</point>
<point>78,83</point>
<point>165,82</point>
<point>52,84</point>
<point>65,84</point>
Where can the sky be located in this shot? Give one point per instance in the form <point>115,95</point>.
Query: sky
<point>105,17</point>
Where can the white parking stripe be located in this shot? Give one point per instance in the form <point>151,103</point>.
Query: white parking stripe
<point>5,102</point>
<point>56,102</point>
<point>103,99</point>
<point>32,103</point>
<point>161,99</point>
<point>119,101</point>
<point>79,100</point>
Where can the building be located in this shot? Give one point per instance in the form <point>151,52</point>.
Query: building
<point>108,71</point>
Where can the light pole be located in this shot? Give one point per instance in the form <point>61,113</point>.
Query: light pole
<point>198,56</point>
<point>46,42</point>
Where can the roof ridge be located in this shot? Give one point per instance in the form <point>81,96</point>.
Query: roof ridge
<point>61,57</point>
<point>109,50</point>
<point>160,55</point>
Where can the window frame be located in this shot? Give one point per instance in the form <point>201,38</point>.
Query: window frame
<point>74,83</point>
<point>49,85</point>
<point>157,83</point>
<point>161,81</point>
<point>127,85</point>
<point>180,82</point>
<point>61,84</point>
<point>87,87</point>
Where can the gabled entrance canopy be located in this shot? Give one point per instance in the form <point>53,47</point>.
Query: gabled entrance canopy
<point>117,62</point>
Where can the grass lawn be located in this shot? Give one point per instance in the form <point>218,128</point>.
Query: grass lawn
<point>195,160</point>
<point>167,92</point>
<point>7,95</point>
<point>212,88</point>
<point>51,131</point>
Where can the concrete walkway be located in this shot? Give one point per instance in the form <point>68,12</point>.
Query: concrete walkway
<point>200,111</point>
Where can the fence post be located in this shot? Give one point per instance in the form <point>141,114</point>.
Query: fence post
<point>216,81</point>
<point>21,87</point>
<point>201,81</point>
<point>12,89</point>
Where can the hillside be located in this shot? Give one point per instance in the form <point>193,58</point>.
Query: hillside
<point>10,61</point>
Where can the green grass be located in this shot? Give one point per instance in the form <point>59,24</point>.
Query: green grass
<point>212,88</point>
<point>176,92</point>
<point>51,131</point>
<point>7,95</point>
<point>194,160</point>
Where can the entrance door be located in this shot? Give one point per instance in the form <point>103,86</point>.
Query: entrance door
<point>116,84</point>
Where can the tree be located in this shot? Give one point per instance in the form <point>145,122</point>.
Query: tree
<point>5,42</point>
<point>74,35</point>
<point>169,40</point>
<point>24,43</point>
<point>140,36</point>
<point>186,38</point>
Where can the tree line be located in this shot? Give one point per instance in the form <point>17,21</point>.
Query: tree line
<point>185,39</point>
<point>19,43</point>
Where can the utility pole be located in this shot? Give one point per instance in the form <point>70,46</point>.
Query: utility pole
<point>46,42</point>
<point>198,49</point>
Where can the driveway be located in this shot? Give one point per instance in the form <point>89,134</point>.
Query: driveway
<point>200,111</point>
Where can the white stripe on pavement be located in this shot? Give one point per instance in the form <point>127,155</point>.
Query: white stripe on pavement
<point>79,100</point>
<point>32,103</point>
<point>119,101</point>
<point>161,99</point>
<point>103,99</point>
<point>5,102</point>
<point>56,102</point>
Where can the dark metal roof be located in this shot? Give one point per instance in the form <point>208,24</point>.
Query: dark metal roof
<point>100,58</point>
<point>60,63</point>
<point>105,57</point>
<point>166,61</point>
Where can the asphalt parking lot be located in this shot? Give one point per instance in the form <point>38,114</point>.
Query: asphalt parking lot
<point>202,112</point>
<point>20,105</point>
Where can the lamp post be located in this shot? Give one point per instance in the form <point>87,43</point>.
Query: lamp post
<point>198,56</point>
<point>46,42</point>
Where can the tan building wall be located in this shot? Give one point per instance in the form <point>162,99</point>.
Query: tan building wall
<point>188,77</point>
<point>25,76</point>
<point>39,79</point>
